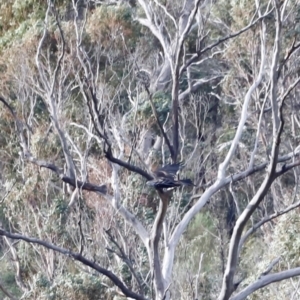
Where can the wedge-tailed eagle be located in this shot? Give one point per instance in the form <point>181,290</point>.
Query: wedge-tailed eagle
<point>165,177</point>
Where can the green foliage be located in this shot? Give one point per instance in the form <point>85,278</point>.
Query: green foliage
<point>286,238</point>
<point>17,17</point>
<point>40,110</point>
<point>3,218</point>
<point>161,101</point>
<point>203,220</point>
<point>105,23</point>
<point>223,10</point>
<point>115,45</point>
<point>8,278</point>
<point>79,286</point>
<point>126,273</point>
<point>42,281</point>
<point>198,239</point>
<point>183,202</point>
<point>23,10</point>
<point>149,215</point>
<point>284,243</point>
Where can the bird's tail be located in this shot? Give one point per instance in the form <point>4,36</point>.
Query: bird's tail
<point>187,182</point>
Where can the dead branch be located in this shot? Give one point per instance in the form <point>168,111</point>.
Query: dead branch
<point>222,40</point>
<point>78,257</point>
<point>264,281</point>
<point>265,220</point>
<point>44,164</point>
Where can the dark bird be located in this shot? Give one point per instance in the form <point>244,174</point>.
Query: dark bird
<point>165,177</point>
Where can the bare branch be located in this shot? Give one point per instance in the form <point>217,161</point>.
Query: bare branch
<point>171,149</point>
<point>128,166</point>
<point>49,91</point>
<point>44,164</point>
<point>289,90</point>
<point>265,220</point>
<point>195,86</point>
<point>270,267</point>
<point>39,49</point>
<point>244,114</point>
<point>129,217</point>
<point>154,243</point>
<point>250,171</point>
<point>78,257</point>
<point>228,285</point>
<point>221,40</point>
<point>126,259</point>
<point>16,261</point>
<point>62,53</point>
<point>289,53</point>
<point>186,24</point>
<point>264,281</point>
<point>287,167</point>
<point>167,13</point>
<point>274,71</point>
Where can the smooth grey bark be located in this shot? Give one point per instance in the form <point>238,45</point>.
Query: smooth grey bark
<point>264,281</point>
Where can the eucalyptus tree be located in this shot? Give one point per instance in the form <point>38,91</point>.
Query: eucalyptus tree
<point>133,110</point>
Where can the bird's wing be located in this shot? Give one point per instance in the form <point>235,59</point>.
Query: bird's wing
<point>164,183</point>
<point>168,171</point>
<point>187,181</point>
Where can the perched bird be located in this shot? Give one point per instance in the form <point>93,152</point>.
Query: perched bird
<point>165,177</point>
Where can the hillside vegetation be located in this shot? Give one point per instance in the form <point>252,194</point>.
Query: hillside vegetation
<point>96,96</point>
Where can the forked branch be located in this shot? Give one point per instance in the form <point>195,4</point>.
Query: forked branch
<point>45,164</point>
<point>78,257</point>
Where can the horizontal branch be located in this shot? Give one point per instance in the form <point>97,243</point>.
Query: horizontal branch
<point>195,86</point>
<point>85,185</point>
<point>250,171</point>
<point>211,190</point>
<point>72,181</point>
<point>48,165</point>
<point>264,281</point>
<point>78,257</point>
<point>128,166</point>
